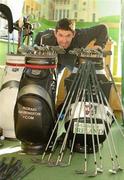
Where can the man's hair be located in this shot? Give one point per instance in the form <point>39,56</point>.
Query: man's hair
<point>66,24</point>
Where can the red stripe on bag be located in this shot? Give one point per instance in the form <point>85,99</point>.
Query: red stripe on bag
<point>32,66</point>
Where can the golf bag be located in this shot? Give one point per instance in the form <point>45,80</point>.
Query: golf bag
<point>10,80</point>
<point>34,110</point>
<point>8,92</point>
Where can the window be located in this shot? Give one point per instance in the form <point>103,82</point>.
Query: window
<point>64,13</point>
<point>75,7</point>
<point>84,3</point>
<point>60,14</point>
<point>67,13</point>
<point>75,15</point>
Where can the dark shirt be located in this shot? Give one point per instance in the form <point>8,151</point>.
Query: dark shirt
<point>81,39</point>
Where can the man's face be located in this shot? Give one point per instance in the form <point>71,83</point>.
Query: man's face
<point>64,37</point>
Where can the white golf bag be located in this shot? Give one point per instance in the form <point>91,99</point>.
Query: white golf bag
<point>8,93</point>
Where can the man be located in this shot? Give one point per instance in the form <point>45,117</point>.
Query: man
<point>66,36</point>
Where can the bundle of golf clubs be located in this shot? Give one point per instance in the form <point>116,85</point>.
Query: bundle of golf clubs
<point>85,90</point>
<point>13,169</point>
<point>22,25</point>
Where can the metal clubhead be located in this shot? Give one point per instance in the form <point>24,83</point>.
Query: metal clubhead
<point>112,171</point>
<point>52,164</point>
<point>119,169</point>
<point>99,170</point>
<point>80,172</point>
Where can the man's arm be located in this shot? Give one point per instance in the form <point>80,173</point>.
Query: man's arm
<point>101,36</point>
<point>98,33</point>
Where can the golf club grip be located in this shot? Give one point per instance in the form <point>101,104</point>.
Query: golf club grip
<point>90,53</point>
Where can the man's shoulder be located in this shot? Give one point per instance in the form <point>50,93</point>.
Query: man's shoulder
<point>48,37</point>
<point>97,26</point>
<point>48,32</point>
<point>44,35</point>
<point>81,31</point>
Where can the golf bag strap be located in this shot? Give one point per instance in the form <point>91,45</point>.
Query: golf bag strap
<point>39,91</point>
<point>10,84</point>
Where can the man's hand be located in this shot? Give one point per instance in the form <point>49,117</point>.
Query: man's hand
<point>97,47</point>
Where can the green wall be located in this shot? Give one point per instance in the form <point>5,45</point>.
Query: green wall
<point>4,50</point>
